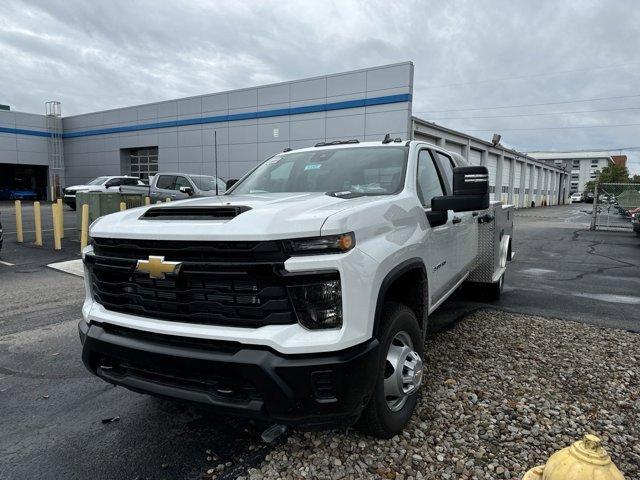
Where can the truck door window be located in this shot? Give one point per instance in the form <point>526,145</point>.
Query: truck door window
<point>447,167</point>
<point>165,182</point>
<point>130,181</point>
<point>181,182</point>
<point>429,184</point>
<point>114,182</point>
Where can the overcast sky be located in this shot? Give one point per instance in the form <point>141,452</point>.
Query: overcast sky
<point>96,55</point>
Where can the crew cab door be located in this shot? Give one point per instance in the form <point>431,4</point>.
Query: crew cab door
<point>182,182</point>
<point>163,187</point>
<point>465,223</point>
<point>439,248</point>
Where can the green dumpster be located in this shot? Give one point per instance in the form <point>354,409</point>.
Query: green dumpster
<point>100,204</point>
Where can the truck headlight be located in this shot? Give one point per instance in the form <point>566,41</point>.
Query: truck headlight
<point>326,244</point>
<point>318,305</point>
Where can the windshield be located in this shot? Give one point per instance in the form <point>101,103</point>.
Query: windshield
<point>97,181</point>
<point>361,170</point>
<point>207,183</point>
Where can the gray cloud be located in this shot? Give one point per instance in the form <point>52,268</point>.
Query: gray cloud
<point>98,55</point>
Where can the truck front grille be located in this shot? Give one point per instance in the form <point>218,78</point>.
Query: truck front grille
<point>213,290</point>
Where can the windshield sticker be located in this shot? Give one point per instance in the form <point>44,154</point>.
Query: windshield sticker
<point>312,166</point>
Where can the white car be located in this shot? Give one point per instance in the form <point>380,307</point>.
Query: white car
<point>303,294</point>
<point>576,197</point>
<point>99,184</point>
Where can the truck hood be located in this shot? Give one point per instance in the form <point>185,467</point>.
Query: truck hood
<point>270,217</point>
<point>82,187</point>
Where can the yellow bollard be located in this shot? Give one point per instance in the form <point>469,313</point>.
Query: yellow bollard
<point>168,199</point>
<point>123,206</point>
<point>159,201</point>
<point>84,232</point>
<point>38,223</point>
<point>55,212</point>
<point>60,218</point>
<point>147,201</point>
<point>19,221</point>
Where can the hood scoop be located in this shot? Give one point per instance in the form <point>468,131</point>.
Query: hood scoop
<point>194,213</point>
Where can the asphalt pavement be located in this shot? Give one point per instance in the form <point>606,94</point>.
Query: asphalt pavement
<point>53,410</point>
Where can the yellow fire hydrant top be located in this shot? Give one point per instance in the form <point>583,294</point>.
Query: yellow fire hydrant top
<point>584,460</point>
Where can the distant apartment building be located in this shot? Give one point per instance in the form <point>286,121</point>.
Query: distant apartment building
<point>581,166</point>
<point>619,160</point>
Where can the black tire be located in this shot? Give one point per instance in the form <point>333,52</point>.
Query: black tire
<point>491,292</point>
<point>378,419</point>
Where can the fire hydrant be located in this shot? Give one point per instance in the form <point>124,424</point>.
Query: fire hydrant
<point>584,460</point>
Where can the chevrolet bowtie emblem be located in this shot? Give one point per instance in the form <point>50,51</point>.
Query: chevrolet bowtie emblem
<point>156,267</point>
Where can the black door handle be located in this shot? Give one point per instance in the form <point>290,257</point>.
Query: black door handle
<point>456,220</point>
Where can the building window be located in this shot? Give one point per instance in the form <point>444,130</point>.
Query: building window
<point>492,189</point>
<point>505,189</point>
<point>142,163</point>
<point>575,164</point>
<point>516,190</point>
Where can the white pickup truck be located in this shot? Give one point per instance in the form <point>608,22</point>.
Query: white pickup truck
<point>303,294</point>
<point>100,184</point>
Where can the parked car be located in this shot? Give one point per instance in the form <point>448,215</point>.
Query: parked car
<point>303,294</point>
<point>178,186</point>
<point>576,197</point>
<point>588,197</point>
<point>635,220</point>
<point>99,184</point>
<point>18,193</point>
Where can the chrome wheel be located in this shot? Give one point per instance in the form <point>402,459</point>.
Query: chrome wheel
<point>403,371</point>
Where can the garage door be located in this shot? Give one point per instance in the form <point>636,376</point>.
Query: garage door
<point>492,166</point>
<point>454,147</point>
<point>536,186</point>
<point>527,178</point>
<point>506,175</point>
<point>516,184</point>
<point>475,157</point>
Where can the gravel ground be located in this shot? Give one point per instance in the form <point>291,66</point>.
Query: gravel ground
<point>502,393</point>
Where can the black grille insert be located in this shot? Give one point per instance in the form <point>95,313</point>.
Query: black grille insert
<point>182,251</point>
<point>248,296</point>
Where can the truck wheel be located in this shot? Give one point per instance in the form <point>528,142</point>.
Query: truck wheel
<point>399,373</point>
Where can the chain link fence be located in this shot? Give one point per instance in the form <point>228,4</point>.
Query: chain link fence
<point>614,205</point>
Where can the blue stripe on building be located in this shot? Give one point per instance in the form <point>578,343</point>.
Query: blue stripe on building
<point>325,107</point>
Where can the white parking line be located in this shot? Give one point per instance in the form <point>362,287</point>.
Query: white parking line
<point>74,267</point>
<point>6,263</point>
<point>44,230</point>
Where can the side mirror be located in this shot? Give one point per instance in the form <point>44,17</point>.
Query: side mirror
<point>470,191</point>
<point>231,182</point>
<point>187,190</point>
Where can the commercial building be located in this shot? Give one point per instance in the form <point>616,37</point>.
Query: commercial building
<point>581,165</point>
<point>249,125</point>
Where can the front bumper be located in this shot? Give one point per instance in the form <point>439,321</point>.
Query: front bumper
<point>305,390</point>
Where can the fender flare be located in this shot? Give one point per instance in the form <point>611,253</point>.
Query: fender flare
<point>395,273</point>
